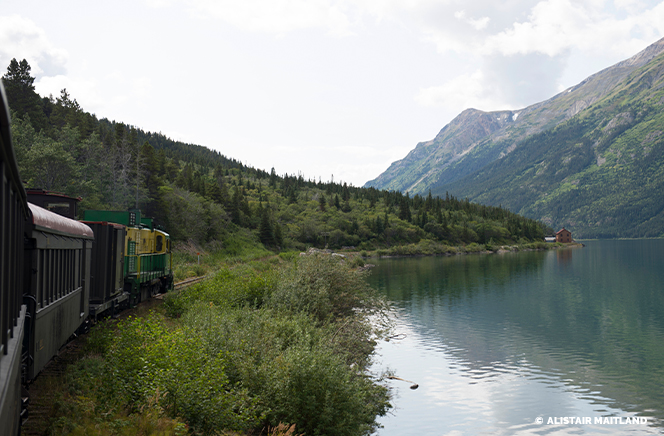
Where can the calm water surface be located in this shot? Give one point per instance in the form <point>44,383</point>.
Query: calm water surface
<point>497,341</point>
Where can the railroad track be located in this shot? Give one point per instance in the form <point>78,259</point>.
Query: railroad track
<point>188,282</point>
<point>43,391</point>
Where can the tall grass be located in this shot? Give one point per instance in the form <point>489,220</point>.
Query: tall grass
<point>191,260</point>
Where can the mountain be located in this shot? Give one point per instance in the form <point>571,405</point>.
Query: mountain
<point>588,159</point>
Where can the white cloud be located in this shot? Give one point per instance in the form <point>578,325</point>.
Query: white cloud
<point>278,16</point>
<point>549,27</point>
<point>462,92</point>
<point>552,27</point>
<point>141,86</point>
<point>21,38</point>
<point>338,17</point>
<point>159,3</point>
<point>52,85</point>
<point>477,24</point>
<point>629,5</point>
<point>521,58</point>
<point>651,22</point>
<point>555,26</point>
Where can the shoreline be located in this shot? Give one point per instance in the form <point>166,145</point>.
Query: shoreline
<point>414,250</point>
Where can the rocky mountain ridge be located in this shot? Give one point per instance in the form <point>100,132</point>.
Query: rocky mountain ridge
<point>475,138</point>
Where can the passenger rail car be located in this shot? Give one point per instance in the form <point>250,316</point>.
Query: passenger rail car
<point>57,274</point>
<point>13,214</point>
<point>56,286</point>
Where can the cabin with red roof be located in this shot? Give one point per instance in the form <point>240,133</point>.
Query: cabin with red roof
<point>563,235</point>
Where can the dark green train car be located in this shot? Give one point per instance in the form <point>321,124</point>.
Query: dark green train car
<point>107,275</point>
<point>148,264</point>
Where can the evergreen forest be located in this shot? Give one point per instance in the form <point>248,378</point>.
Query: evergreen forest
<point>204,197</point>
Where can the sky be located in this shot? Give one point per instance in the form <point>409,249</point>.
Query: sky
<point>330,89</point>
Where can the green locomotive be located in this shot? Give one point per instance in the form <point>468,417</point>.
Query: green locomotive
<point>143,256</point>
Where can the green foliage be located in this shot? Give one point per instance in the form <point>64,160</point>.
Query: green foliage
<point>204,197</point>
<point>295,356</point>
<point>293,367</point>
<point>599,174</point>
<point>240,287</point>
<point>99,339</point>
<point>188,379</point>
<point>190,216</point>
<point>357,262</point>
<point>322,286</point>
<point>49,166</point>
<point>86,403</point>
<point>19,85</point>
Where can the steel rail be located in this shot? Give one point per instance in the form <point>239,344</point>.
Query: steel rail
<point>188,282</point>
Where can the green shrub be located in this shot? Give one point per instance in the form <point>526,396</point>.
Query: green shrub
<point>357,262</point>
<point>235,287</point>
<point>315,389</point>
<point>473,247</point>
<point>187,379</point>
<point>256,348</point>
<point>100,338</point>
<point>297,370</point>
<point>323,286</point>
<point>288,256</point>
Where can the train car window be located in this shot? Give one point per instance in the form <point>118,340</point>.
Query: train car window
<point>160,242</point>
<point>61,208</point>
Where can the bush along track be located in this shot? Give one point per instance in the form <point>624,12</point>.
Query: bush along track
<point>256,347</point>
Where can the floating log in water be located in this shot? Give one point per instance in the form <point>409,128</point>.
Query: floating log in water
<point>413,386</point>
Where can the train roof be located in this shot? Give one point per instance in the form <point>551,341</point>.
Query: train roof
<point>104,223</point>
<point>39,191</point>
<point>7,152</point>
<point>163,232</point>
<point>52,222</point>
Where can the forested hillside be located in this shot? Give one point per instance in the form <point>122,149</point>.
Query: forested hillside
<point>600,174</point>
<point>200,195</point>
<point>590,158</point>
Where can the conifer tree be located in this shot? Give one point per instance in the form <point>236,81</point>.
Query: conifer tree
<point>265,229</point>
<point>278,236</point>
<point>21,95</point>
<point>404,209</point>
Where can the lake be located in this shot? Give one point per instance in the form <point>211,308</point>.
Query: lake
<point>498,343</point>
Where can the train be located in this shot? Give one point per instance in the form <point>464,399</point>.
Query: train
<point>58,275</point>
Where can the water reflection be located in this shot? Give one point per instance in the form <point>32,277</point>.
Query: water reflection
<point>564,256</point>
<point>496,341</point>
